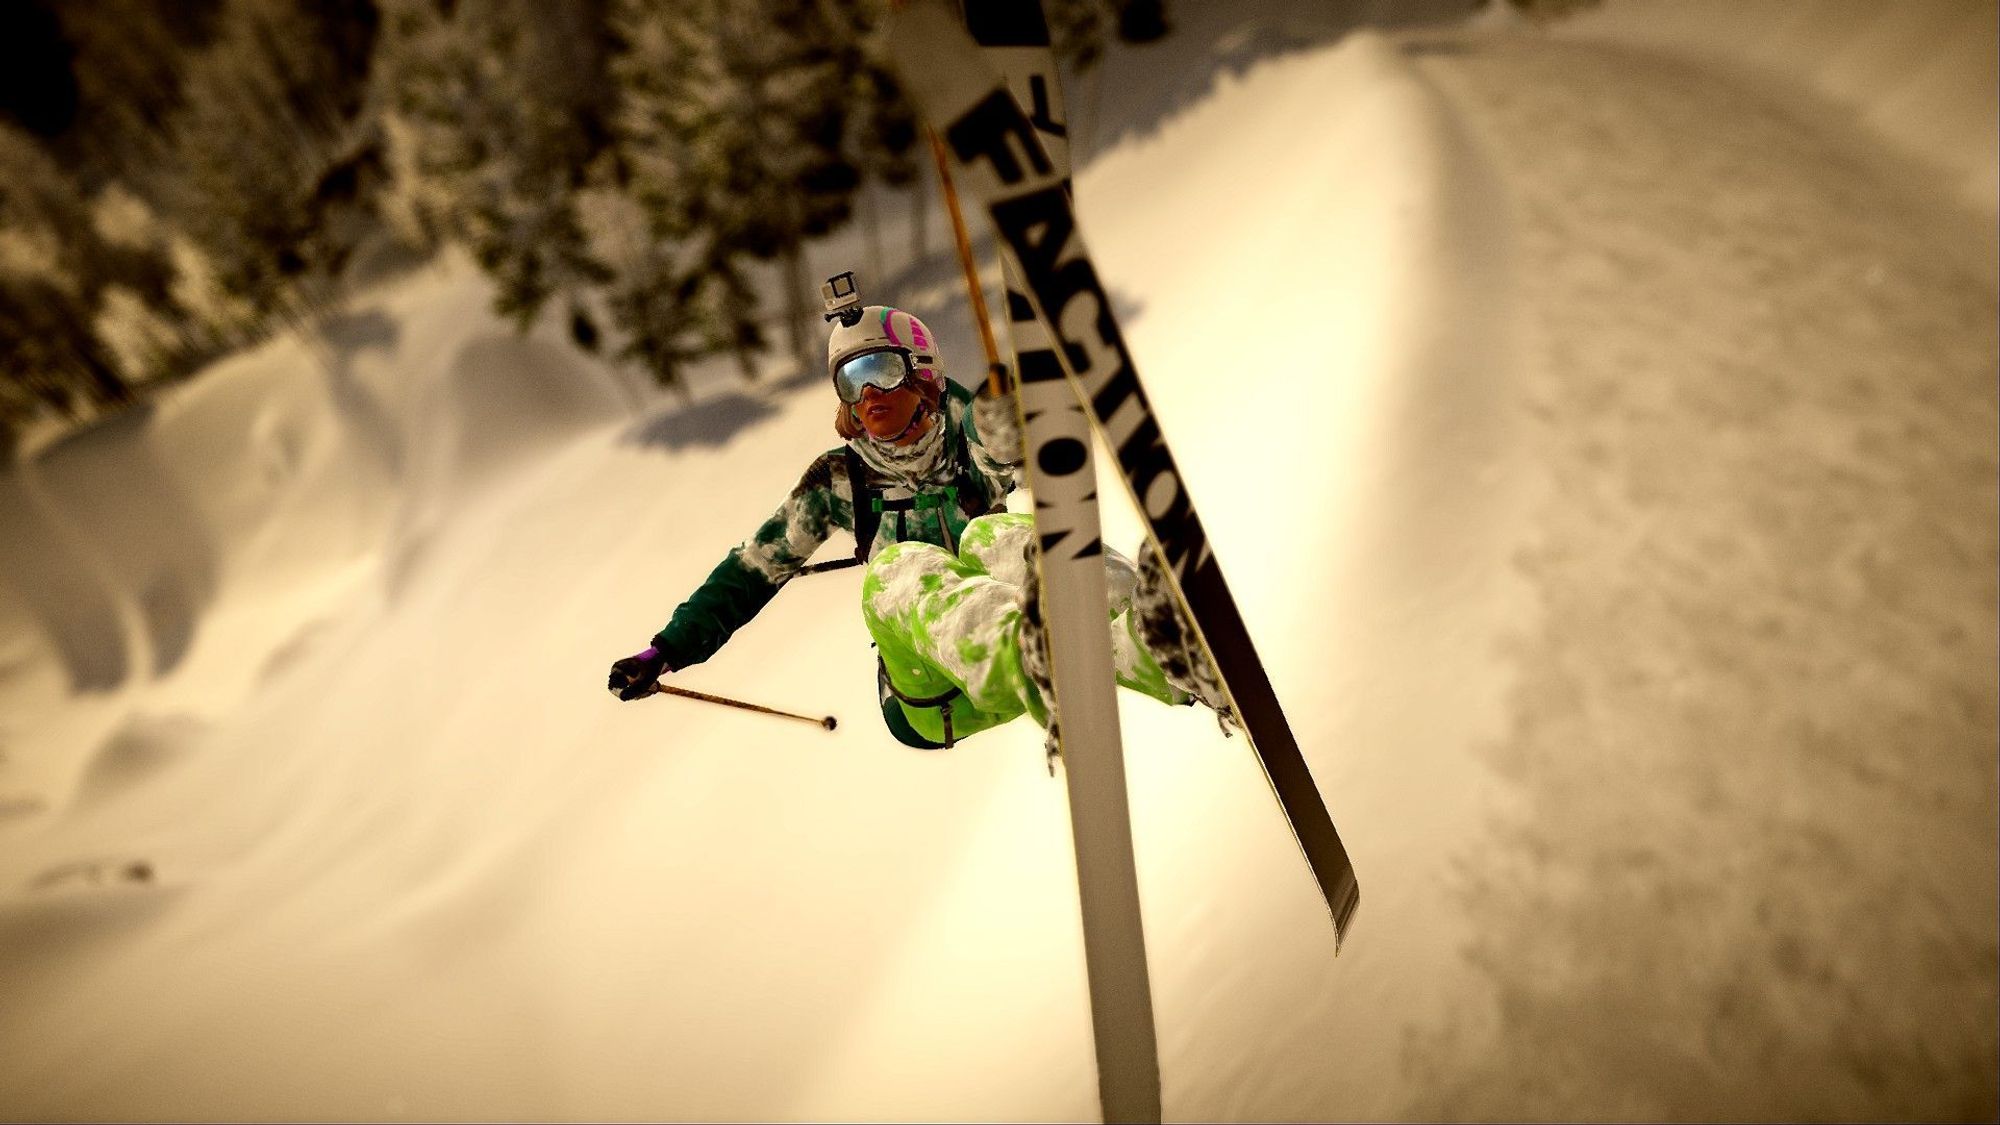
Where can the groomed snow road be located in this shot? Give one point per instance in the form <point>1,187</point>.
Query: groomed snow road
<point>1752,869</point>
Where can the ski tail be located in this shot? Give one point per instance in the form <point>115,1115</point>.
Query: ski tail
<point>1256,702</point>
<point>1069,565</point>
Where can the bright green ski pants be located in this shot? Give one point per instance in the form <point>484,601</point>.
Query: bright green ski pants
<point>945,622</point>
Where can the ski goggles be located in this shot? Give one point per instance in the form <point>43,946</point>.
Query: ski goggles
<point>884,370</point>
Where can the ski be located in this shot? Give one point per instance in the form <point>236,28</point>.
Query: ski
<point>999,162</point>
<point>1062,472</point>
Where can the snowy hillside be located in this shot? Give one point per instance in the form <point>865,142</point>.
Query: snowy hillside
<point>1600,440</point>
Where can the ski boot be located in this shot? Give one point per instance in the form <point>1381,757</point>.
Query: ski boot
<point>1034,645</point>
<point>1171,640</point>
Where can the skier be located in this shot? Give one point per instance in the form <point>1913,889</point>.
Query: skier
<point>949,595</point>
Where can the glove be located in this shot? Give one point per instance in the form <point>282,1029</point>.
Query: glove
<point>635,675</point>
<point>999,427</point>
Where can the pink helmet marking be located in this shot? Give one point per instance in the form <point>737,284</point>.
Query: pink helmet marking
<point>912,327</point>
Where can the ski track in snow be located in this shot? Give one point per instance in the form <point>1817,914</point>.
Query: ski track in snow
<point>1755,871</point>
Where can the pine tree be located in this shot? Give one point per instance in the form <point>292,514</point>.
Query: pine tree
<point>677,132</point>
<point>799,72</point>
<point>266,109</point>
<point>1082,29</point>
<point>744,129</point>
<point>51,279</point>
<point>883,126</point>
<point>498,118</point>
<point>129,60</point>
<point>137,321</point>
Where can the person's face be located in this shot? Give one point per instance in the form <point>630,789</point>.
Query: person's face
<point>885,414</point>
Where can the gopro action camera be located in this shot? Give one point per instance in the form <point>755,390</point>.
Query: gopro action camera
<point>843,301</point>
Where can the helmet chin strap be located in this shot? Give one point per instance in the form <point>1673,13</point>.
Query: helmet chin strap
<point>916,416</point>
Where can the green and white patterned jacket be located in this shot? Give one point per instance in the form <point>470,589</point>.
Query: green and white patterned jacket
<point>959,480</point>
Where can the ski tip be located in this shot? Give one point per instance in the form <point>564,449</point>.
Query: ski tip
<point>1343,914</point>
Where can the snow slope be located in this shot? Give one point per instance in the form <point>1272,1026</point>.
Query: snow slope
<point>1753,874</point>
<point>1919,76</point>
<point>1518,437</point>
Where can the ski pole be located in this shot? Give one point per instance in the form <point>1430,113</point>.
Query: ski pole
<point>823,567</point>
<point>829,722</point>
<point>996,372</point>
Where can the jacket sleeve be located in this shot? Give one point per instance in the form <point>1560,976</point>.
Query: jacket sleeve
<point>993,440</point>
<point>750,575</point>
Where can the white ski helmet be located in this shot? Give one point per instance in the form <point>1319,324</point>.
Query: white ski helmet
<point>881,328</point>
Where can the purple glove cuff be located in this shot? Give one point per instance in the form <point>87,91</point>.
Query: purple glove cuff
<point>652,653</point>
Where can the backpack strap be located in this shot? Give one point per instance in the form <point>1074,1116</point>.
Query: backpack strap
<point>901,729</point>
<point>968,494</point>
<point>867,512</point>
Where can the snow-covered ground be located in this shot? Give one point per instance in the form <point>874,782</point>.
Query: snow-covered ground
<point>1598,428</point>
